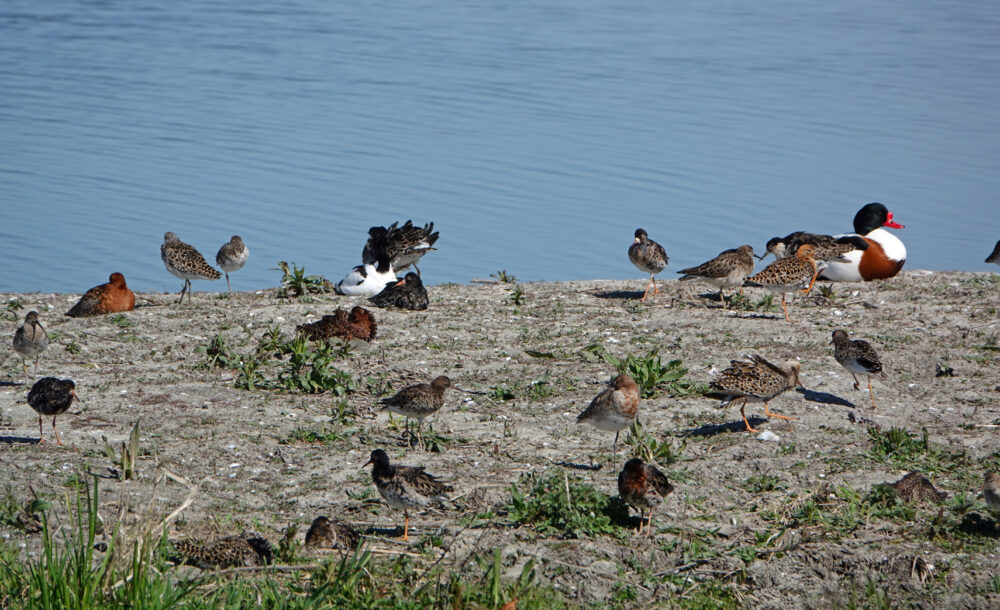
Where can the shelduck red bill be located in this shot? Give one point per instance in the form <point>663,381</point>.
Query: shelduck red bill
<point>892,224</point>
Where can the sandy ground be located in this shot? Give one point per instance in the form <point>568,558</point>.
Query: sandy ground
<point>240,447</point>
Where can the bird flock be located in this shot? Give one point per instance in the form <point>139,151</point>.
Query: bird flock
<point>800,259</point>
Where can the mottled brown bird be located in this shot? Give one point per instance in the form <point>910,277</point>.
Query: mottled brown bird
<point>858,357</point>
<point>326,534</point>
<point>113,297</point>
<point>51,396</point>
<point>419,401</point>
<point>786,275</point>
<point>185,262</point>
<point>245,550</point>
<point>405,488</point>
<point>359,324</point>
<point>648,257</point>
<point>614,409</point>
<point>754,380</point>
<point>30,339</point>
<point>825,248</point>
<point>643,486</point>
<point>991,490</point>
<point>915,487</point>
<point>727,270</point>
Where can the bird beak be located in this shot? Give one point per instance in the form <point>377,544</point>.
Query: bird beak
<point>889,222</point>
<point>636,240</point>
<point>74,394</point>
<point>366,463</point>
<point>400,282</point>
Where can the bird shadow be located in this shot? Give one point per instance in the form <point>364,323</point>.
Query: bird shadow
<point>385,532</point>
<point>619,294</point>
<point>572,466</point>
<point>19,440</point>
<point>733,426</point>
<point>825,398</point>
<point>755,316</point>
<point>977,525</point>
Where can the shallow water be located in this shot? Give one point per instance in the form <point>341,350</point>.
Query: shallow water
<point>537,136</point>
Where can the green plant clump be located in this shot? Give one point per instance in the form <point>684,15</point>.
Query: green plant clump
<point>563,505</point>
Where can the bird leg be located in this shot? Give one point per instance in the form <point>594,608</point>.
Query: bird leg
<point>857,385</point>
<point>58,440</point>
<point>646,294</point>
<point>785,307</point>
<point>24,365</point>
<point>649,521</point>
<point>228,285</point>
<point>769,414</point>
<point>642,517</point>
<point>41,437</point>
<point>420,440</point>
<point>417,268</point>
<point>614,448</point>
<point>870,393</point>
<point>811,282</point>
<point>743,413</point>
<point>656,290</point>
<point>183,289</point>
<point>406,526</point>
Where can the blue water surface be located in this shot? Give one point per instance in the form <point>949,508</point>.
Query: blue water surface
<point>537,136</point>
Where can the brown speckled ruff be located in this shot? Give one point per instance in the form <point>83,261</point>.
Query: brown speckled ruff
<point>649,257</point>
<point>405,488</point>
<point>786,275</point>
<point>754,380</point>
<point>727,270</point>
<point>419,401</point>
<point>184,261</point>
<point>858,357</point>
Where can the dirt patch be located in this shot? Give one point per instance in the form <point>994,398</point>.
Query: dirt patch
<point>765,523</point>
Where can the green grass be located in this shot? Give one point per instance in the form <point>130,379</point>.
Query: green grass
<point>563,505</point>
<point>295,282</point>
<point>650,373</point>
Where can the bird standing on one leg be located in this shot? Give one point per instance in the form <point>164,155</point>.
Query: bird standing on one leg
<point>232,256</point>
<point>405,488</point>
<point>614,409</point>
<point>649,257</point>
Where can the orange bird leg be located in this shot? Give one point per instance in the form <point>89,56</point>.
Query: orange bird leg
<point>785,307</point>
<point>769,414</point>
<point>58,440</point>
<point>870,393</point>
<point>406,527</point>
<point>646,294</point>
<point>41,437</point>
<point>656,290</point>
<point>749,427</point>
<point>811,282</point>
<point>649,521</point>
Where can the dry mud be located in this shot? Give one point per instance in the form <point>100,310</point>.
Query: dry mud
<point>239,447</point>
